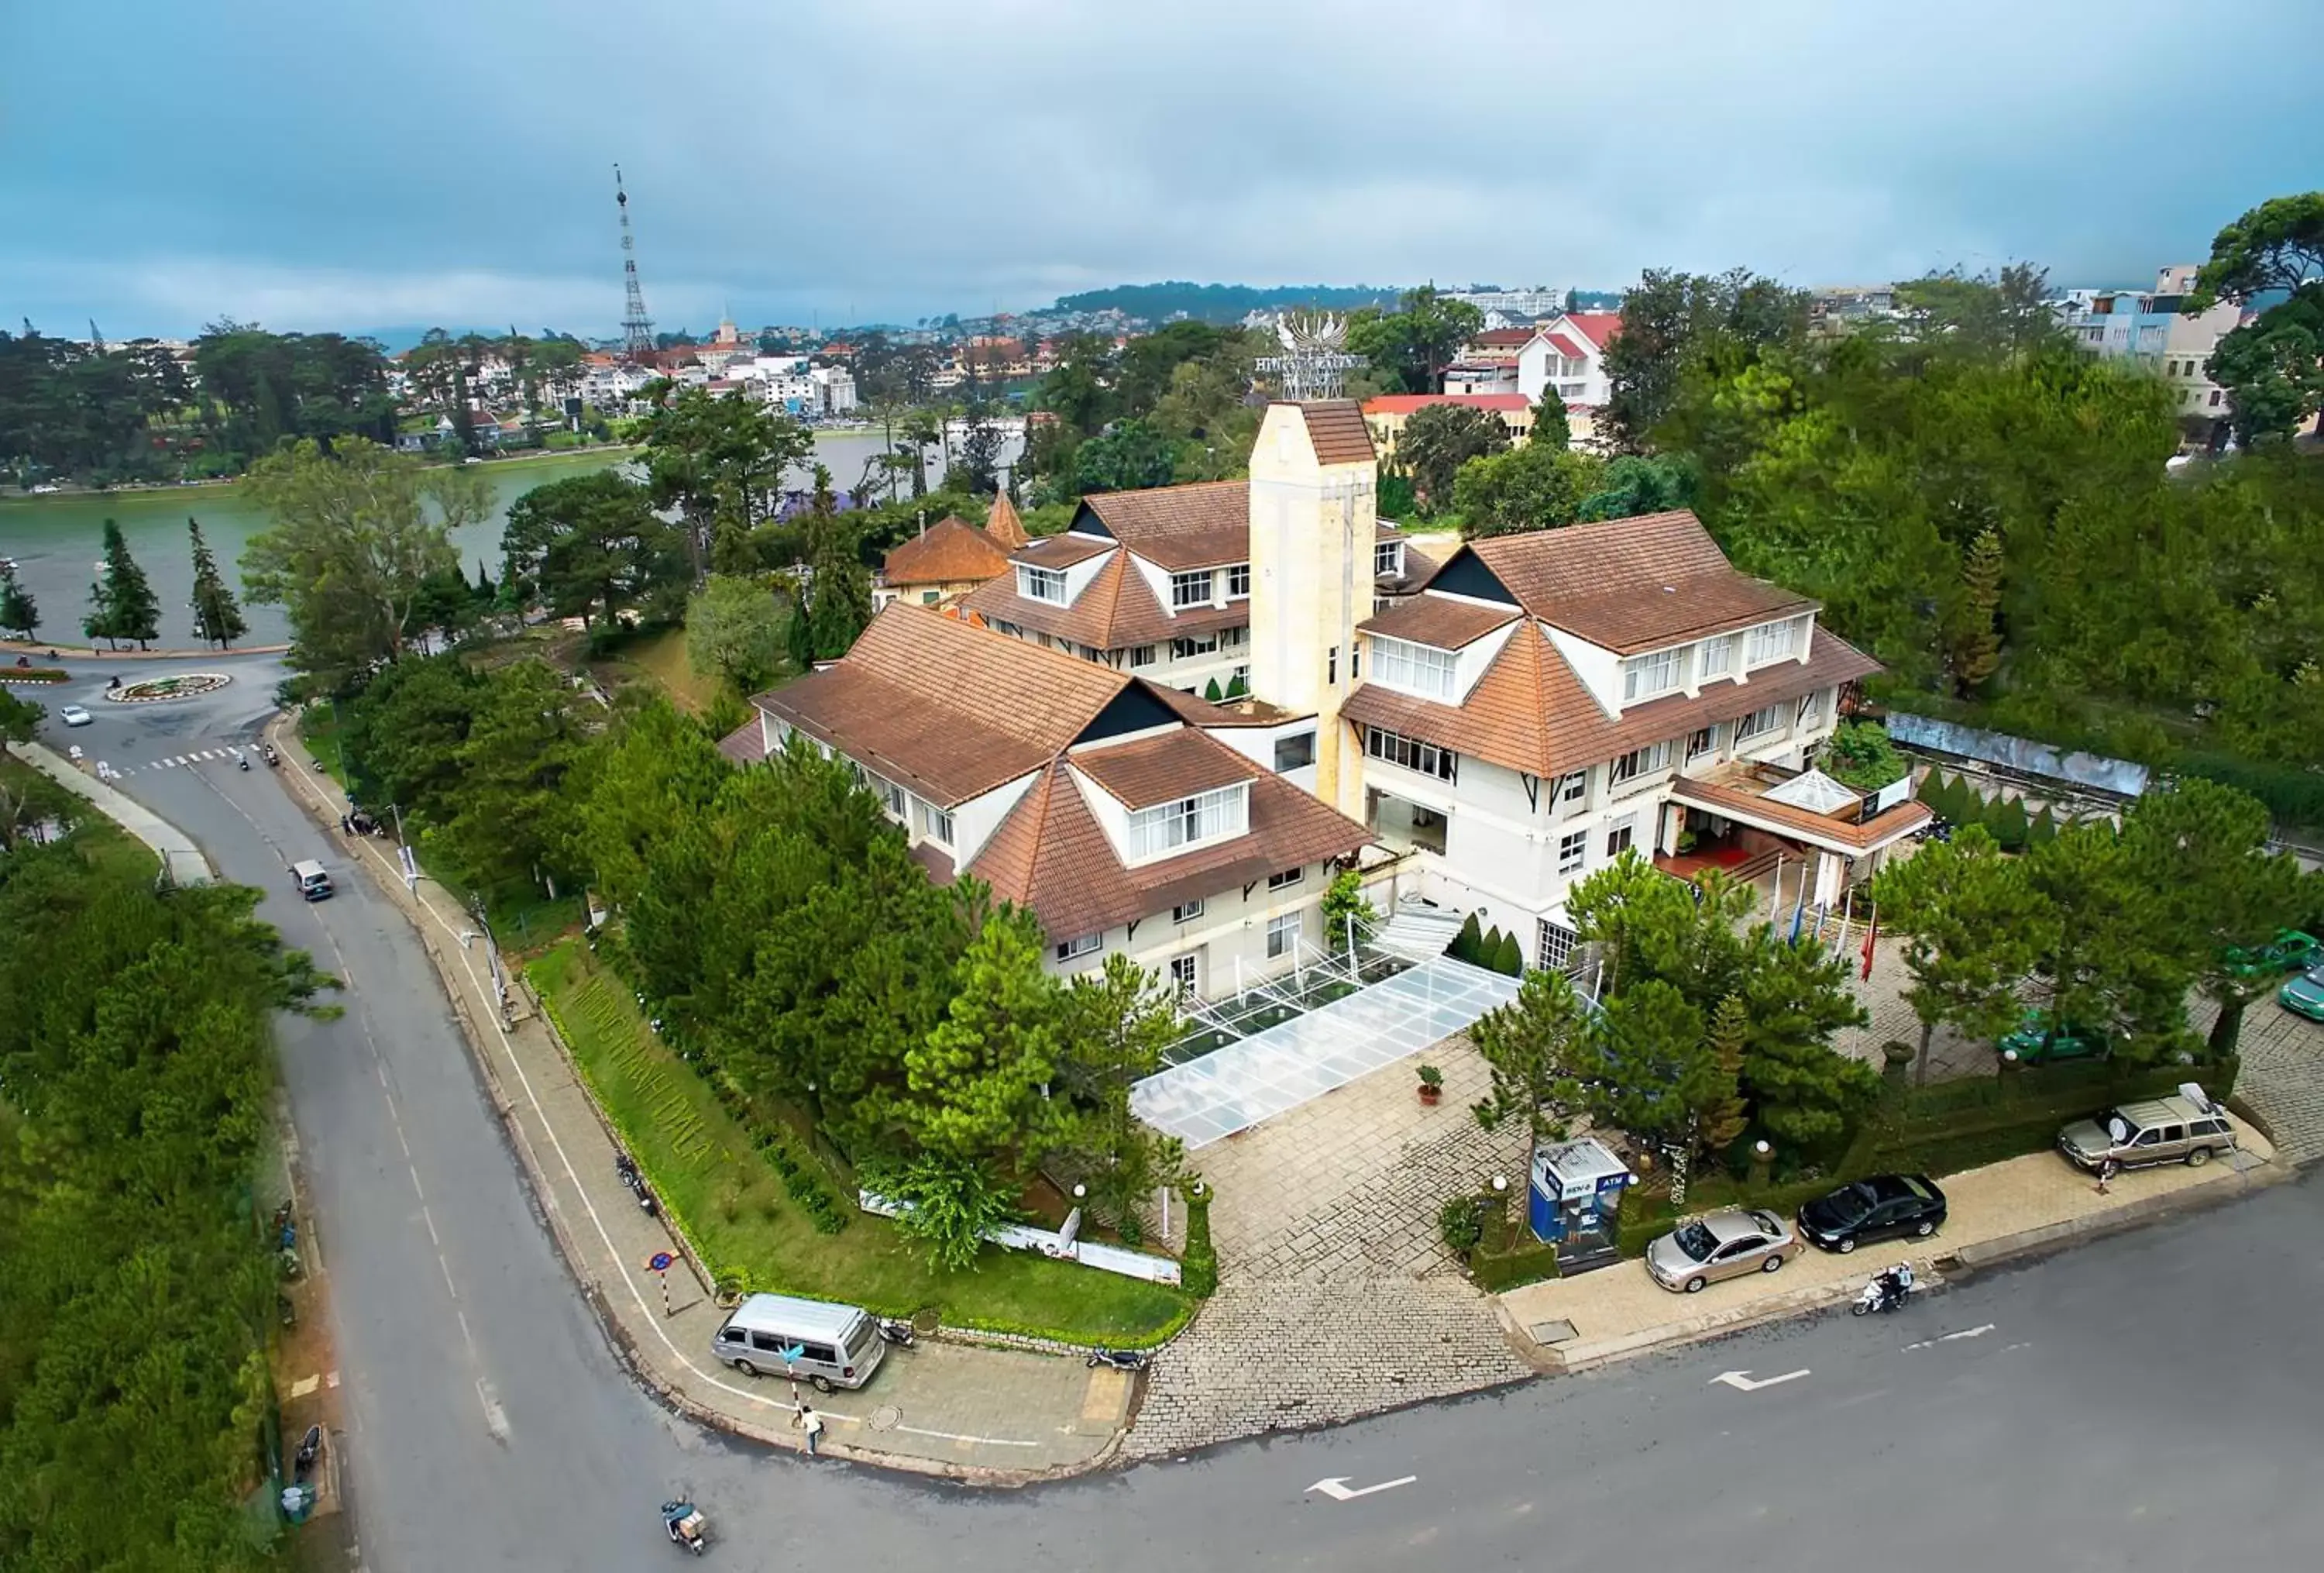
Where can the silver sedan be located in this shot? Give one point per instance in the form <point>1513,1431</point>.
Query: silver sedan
<point>1720,1245</point>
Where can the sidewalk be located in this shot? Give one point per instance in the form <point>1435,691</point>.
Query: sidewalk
<point>180,858</point>
<point>2005,1209</point>
<point>1000,1416</point>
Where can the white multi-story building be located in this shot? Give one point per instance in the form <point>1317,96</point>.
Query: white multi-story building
<point>1568,353</point>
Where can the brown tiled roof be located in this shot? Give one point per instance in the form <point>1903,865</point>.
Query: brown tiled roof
<point>1049,855</point>
<point>1530,713</point>
<point>1148,770</point>
<point>1336,428</point>
<point>1060,551</point>
<point>747,744</point>
<point>1205,524</point>
<point>947,707</point>
<point>1003,524</point>
<point>951,551</point>
<point>1387,530</point>
<point>1115,611</point>
<point>1878,831</point>
<point>1632,584</point>
<point>1439,621</point>
<point>1243,712</point>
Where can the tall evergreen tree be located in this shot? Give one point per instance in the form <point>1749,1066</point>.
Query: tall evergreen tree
<point>122,605</point>
<point>217,615</point>
<point>19,615</point>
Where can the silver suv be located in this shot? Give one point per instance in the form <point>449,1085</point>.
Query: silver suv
<point>2188,1128</point>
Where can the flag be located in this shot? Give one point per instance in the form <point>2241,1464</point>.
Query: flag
<point>1839,940</point>
<point>1800,908</point>
<point>1871,933</point>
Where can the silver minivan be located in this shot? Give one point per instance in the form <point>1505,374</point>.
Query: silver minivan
<point>838,1346</point>
<point>314,882</point>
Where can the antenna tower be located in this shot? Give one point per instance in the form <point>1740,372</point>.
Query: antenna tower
<point>637,328</point>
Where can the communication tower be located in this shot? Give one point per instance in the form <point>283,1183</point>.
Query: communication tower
<point>637,328</point>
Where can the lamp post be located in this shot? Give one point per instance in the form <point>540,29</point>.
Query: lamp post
<point>1762,1159</point>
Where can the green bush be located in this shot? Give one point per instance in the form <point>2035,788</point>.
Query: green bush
<point>2008,824</point>
<point>1460,1224</point>
<point>1508,959</point>
<point>1469,944</point>
<point>2294,796</point>
<point>1860,755</point>
<point>1529,1262</point>
<point>1212,692</point>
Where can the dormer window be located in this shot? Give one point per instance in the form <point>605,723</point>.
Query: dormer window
<point>1238,582</point>
<point>1771,642</point>
<point>1169,827</point>
<point>1041,584</point>
<point>1190,590</point>
<point>1644,676</point>
<point>1388,559</point>
<point>1719,656</point>
<point>1414,668</point>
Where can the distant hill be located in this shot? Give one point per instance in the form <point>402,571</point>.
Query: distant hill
<point>1222,302</point>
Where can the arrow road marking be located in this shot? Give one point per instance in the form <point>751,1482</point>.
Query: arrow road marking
<point>1740,1381</point>
<point>1948,1337</point>
<point>1336,1488</point>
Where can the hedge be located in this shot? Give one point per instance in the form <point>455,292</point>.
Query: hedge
<point>34,674</point>
<point>2295,797</point>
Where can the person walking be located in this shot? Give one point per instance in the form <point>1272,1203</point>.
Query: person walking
<point>2108,1168</point>
<point>812,1424</point>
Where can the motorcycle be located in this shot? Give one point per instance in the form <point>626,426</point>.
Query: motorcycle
<point>1887,1292</point>
<point>627,1168</point>
<point>897,1332</point>
<point>1121,1359</point>
<point>242,761</point>
<point>310,1446</point>
<point>686,1526</point>
<point>268,755</point>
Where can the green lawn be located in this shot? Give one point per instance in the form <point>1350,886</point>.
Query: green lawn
<point>101,842</point>
<point>660,658</point>
<point>703,1167</point>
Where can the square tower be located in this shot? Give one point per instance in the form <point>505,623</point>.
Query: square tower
<point>1313,518</point>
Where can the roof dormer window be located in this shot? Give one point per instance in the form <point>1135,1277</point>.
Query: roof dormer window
<point>1644,676</point>
<point>1171,828</point>
<point>1772,642</point>
<point>1415,669</point>
<point>1190,590</point>
<point>1040,584</point>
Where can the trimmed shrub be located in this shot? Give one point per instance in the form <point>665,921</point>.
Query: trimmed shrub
<point>1212,692</point>
<point>2008,824</point>
<point>2043,828</point>
<point>1508,959</point>
<point>1460,1223</point>
<point>1468,943</point>
<point>1198,1268</point>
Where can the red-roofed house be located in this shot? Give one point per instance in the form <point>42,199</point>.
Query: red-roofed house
<point>1568,353</point>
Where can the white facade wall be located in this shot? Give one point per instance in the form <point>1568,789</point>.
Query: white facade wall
<point>1228,940</point>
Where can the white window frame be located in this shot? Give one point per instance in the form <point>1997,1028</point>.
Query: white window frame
<point>1184,971</point>
<point>1811,709</point>
<point>1769,642</point>
<point>1554,946</point>
<point>1234,638</point>
<point>1141,655</point>
<point>1709,736</point>
<point>1420,670</point>
<point>1388,559</point>
<point>1186,911</point>
<point>1081,946</point>
<point>1239,581</point>
<point>1718,656</point>
<point>1041,584</point>
<point>1646,676</point>
<point>1284,932</point>
<point>1194,587</point>
<point>1572,851</point>
<point>1296,738</point>
<point>1411,753</point>
<point>935,823</point>
<point>1187,648</point>
<point>1167,829</point>
<point>893,799</point>
<point>1638,763</point>
<point>1621,835</point>
<point>1759,723</point>
<point>1575,789</point>
<point>1285,878</point>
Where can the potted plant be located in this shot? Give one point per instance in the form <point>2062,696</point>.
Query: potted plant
<point>1432,1084</point>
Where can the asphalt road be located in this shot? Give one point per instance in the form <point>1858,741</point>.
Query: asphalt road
<point>2147,1401</point>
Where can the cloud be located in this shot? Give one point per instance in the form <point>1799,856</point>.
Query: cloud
<point>438,163</point>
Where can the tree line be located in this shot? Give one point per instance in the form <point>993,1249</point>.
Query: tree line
<point>776,924</point>
<point>137,1073</point>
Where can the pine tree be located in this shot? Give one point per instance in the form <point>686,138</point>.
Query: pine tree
<point>217,615</point>
<point>1977,651</point>
<point>121,606</point>
<point>1509,959</point>
<point>2008,824</point>
<point>1467,942</point>
<point>1730,1026</point>
<point>18,614</point>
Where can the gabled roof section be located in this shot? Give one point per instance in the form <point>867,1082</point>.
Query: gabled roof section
<point>1336,430</point>
<point>1163,768</point>
<point>1599,328</point>
<point>1629,585</point>
<point>1003,525</point>
<point>1060,551</point>
<point>1115,611</point>
<point>951,551</point>
<point>1204,524</point>
<point>1051,856</point>
<point>1530,712</point>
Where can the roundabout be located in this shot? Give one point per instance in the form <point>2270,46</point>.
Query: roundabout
<point>154,690</point>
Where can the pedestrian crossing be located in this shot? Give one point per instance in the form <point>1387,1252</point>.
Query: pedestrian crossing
<point>107,770</point>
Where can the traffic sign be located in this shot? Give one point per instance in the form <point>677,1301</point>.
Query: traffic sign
<point>660,1261</point>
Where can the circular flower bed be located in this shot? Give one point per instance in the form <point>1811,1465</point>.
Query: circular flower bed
<point>148,690</point>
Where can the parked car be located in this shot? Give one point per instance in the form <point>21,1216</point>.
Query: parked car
<point>74,716</point>
<point>2042,1040</point>
<point>1721,1244</point>
<point>2304,995</point>
<point>2290,951</point>
<point>2186,1128</point>
<point>1879,1207</point>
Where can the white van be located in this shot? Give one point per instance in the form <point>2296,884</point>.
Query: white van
<point>838,1346</point>
<point>313,882</point>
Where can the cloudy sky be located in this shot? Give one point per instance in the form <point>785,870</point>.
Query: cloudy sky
<point>312,166</point>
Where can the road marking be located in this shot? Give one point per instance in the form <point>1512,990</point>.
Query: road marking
<point>305,1385</point>
<point>1336,1488</point>
<point>1740,1381</point>
<point>1949,1338</point>
<point>495,1417</point>
<point>330,1379</point>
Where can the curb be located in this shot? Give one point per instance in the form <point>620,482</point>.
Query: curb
<point>1947,1270</point>
<point>626,1348</point>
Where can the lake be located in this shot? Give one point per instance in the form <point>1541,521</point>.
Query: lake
<point>57,539</point>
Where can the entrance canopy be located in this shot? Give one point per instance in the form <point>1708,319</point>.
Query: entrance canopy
<point>1285,1065</point>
